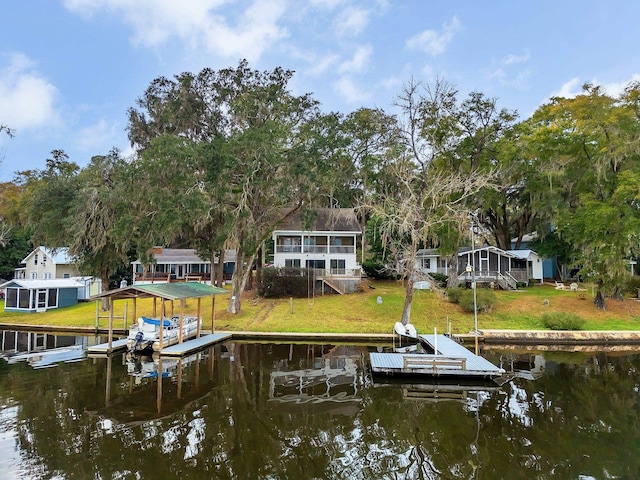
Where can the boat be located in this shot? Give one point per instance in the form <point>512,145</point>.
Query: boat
<point>406,333</point>
<point>145,334</point>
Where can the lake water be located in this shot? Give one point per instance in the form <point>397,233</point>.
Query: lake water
<point>311,411</point>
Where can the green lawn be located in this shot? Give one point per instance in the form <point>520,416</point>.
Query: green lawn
<point>361,312</point>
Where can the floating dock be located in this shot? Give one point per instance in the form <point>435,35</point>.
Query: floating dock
<point>449,359</point>
<point>176,350</point>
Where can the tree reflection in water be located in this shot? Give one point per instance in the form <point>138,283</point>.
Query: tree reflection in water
<point>245,410</point>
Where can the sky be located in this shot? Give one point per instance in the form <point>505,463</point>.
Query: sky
<point>70,69</point>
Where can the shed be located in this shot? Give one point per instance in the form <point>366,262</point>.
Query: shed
<point>40,295</point>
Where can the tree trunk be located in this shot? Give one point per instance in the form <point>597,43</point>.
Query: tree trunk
<point>104,277</point>
<point>239,280</point>
<point>218,270</point>
<point>599,300</point>
<point>408,296</point>
<point>452,279</point>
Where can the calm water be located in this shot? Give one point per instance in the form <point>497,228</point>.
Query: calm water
<point>281,411</point>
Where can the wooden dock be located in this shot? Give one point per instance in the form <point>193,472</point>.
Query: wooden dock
<point>449,359</point>
<point>176,350</point>
<point>184,348</point>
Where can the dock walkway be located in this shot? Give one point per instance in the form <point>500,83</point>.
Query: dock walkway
<point>450,359</point>
<point>176,350</point>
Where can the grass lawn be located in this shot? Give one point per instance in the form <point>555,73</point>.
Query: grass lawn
<point>361,312</point>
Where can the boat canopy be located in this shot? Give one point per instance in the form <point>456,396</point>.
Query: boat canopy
<point>155,321</point>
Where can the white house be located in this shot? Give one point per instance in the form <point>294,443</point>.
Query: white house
<point>323,240</point>
<point>178,265</point>
<point>485,264</point>
<point>45,264</point>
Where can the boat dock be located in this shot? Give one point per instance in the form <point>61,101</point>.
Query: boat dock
<point>176,350</point>
<point>449,359</point>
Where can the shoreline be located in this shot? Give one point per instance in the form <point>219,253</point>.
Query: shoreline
<point>513,337</point>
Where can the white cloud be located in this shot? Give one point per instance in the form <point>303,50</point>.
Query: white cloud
<point>513,58</point>
<point>616,89</point>
<point>352,93</point>
<point>432,42</point>
<point>352,21</point>
<point>196,23</point>
<point>358,62</point>
<point>326,4</point>
<point>94,137</point>
<point>322,65</point>
<point>569,89</point>
<point>26,98</point>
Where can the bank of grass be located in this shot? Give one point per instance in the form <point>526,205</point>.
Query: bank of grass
<point>362,312</point>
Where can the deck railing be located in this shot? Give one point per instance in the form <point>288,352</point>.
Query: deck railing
<point>315,249</point>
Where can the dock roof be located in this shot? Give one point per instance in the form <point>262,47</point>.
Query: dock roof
<point>166,291</point>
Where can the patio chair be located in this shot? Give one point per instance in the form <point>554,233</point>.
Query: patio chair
<point>559,285</point>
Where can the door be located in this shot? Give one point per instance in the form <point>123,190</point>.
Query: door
<point>42,300</point>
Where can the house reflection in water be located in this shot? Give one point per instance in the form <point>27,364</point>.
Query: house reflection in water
<point>331,385</point>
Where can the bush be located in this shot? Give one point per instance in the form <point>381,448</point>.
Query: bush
<point>562,321</point>
<point>632,285</point>
<point>285,282</point>
<point>453,294</point>
<point>485,299</point>
<point>376,270</point>
<point>441,279</point>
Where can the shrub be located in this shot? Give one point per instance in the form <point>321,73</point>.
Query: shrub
<point>285,282</point>
<point>632,285</point>
<point>453,294</point>
<point>485,299</point>
<point>562,321</point>
<point>376,270</point>
<point>441,279</point>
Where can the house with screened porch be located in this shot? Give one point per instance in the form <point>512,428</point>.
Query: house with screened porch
<point>323,241</point>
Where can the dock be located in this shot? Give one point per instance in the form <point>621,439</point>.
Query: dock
<point>176,350</point>
<point>449,359</point>
<point>185,348</point>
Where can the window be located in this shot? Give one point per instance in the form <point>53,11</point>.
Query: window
<point>426,263</point>
<point>35,259</point>
<point>66,275</point>
<point>292,262</point>
<point>47,275</point>
<point>11,299</point>
<point>34,275</point>
<point>52,301</point>
<point>338,267</point>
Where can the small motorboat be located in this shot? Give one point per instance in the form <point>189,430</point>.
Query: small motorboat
<point>145,334</point>
<point>407,333</point>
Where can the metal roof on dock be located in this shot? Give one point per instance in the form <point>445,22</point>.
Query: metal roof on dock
<point>166,291</point>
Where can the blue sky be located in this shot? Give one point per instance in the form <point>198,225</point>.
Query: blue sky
<point>70,69</point>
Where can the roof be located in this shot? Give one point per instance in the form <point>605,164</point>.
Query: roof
<point>60,256</point>
<point>184,256</point>
<point>322,220</point>
<point>52,283</point>
<point>523,254</point>
<point>166,291</point>
<point>433,252</point>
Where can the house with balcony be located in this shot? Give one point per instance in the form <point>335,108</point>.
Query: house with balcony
<point>324,241</point>
<point>178,265</point>
<point>46,264</point>
<point>484,265</point>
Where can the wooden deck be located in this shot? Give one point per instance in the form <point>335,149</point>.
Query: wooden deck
<point>103,348</point>
<point>176,350</point>
<point>184,348</point>
<point>450,359</point>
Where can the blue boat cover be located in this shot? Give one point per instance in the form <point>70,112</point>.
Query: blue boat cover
<point>156,322</point>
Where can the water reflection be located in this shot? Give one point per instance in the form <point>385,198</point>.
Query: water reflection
<point>242,410</point>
